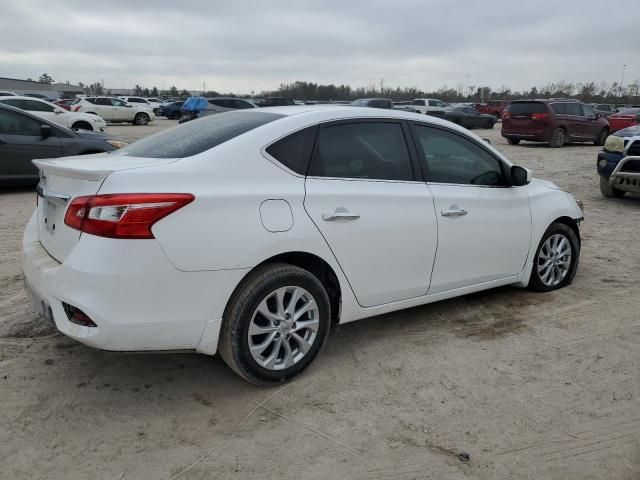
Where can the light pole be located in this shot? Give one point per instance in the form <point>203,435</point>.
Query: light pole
<point>624,67</point>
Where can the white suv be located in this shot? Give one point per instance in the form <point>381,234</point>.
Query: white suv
<point>54,113</point>
<point>114,110</point>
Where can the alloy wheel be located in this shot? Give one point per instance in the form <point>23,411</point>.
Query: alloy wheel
<point>283,328</point>
<point>554,260</point>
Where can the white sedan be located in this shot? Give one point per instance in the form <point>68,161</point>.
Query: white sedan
<point>56,114</point>
<point>252,232</point>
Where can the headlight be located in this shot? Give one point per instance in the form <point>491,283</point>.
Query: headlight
<point>614,144</point>
<point>602,163</point>
<point>117,143</point>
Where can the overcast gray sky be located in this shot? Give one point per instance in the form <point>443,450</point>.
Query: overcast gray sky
<point>246,45</point>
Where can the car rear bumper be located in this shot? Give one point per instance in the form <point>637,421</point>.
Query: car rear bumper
<point>129,289</point>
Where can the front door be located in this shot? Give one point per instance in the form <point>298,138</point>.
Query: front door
<point>372,209</point>
<point>484,225</point>
<point>20,142</point>
<point>121,111</point>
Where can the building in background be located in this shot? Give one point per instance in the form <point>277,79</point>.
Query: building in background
<point>48,90</point>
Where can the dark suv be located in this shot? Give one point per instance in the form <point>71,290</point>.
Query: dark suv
<point>555,121</point>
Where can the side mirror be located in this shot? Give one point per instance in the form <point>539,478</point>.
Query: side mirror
<point>45,131</point>
<point>520,176</point>
<point>57,111</point>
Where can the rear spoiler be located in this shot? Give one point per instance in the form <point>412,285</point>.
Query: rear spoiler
<point>57,167</point>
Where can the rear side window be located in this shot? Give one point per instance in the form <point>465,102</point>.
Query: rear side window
<point>574,109</point>
<point>559,108</point>
<point>92,100</point>
<point>526,108</point>
<point>35,106</point>
<point>294,151</point>
<point>102,101</point>
<point>13,123</point>
<point>419,103</point>
<point>362,151</point>
<point>197,136</point>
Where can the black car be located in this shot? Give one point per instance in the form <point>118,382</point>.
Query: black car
<point>24,137</point>
<point>171,111</point>
<point>373,103</point>
<point>196,107</point>
<point>468,117</point>
<point>274,102</point>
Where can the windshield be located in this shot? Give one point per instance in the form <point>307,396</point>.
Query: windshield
<point>197,136</point>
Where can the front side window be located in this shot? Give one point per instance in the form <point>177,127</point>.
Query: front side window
<point>13,123</point>
<point>364,150</point>
<point>451,158</point>
<point>588,111</point>
<point>116,102</point>
<point>241,104</point>
<point>433,103</point>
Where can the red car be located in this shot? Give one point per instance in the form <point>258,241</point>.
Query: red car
<point>493,107</point>
<point>625,118</point>
<point>65,103</point>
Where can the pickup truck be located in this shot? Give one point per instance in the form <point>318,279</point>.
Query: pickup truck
<point>429,106</point>
<point>493,107</point>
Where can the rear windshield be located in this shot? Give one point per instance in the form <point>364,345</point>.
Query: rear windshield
<point>517,108</point>
<point>197,136</point>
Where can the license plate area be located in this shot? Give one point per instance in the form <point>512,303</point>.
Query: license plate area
<point>50,210</point>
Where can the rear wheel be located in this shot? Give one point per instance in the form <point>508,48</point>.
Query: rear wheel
<point>556,259</point>
<point>608,191</point>
<point>275,324</point>
<point>141,119</point>
<point>558,138</point>
<point>82,126</point>
<point>489,125</point>
<point>513,141</point>
<point>175,115</point>
<point>602,137</point>
<point>497,115</point>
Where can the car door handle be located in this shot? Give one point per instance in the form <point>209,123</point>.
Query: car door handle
<point>453,212</point>
<point>339,214</point>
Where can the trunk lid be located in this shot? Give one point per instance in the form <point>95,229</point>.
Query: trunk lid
<point>63,179</point>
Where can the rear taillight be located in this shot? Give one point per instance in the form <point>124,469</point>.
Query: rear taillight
<point>506,115</point>
<point>77,316</point>
<point>123,215</point>
<point>539,116</point>
<point>75,109</point>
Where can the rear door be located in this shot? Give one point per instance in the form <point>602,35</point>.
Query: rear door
<point>121,111</point>
<point>364,194</point>
<point>20,142</point>
<point>484,225</point>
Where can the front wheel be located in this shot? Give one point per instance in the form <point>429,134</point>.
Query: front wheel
<point>602,137</point>
<point>513,141</point>
<point>141,119</point>
<point>275,324</point>
<point>81,126</point>
<point>608,191</point>
<point>556,259</point>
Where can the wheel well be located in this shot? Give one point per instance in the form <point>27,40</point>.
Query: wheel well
<point>571,223</point>
<point>318,267</point>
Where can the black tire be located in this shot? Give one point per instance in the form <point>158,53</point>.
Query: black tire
<point>82,126</point>
<point>602,137</point>
<point>558,138</point>
<point>175,116</point>
<point>608,191</point>
<point>141,119</point>
<point>513,141</point>
<point>489,125</point>
<point>497,115</point>
<point>233,345</point>
<point>536,283</point>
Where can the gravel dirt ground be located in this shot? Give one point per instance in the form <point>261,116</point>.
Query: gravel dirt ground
<point>531,386</point>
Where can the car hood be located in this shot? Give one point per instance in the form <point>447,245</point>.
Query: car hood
<point>547,184</point>
<point>633,131</point>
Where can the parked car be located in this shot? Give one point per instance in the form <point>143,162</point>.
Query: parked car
<point>373,103</point>
<point>171,110</point>
<point>24,136</point>
<point>604,109</point>
<point>65,103</point>
<point>55,113</point>
<point>114,109</point>
<point>260,259</point>
<point>154,106</point>
<point>619,163</point>
<point>405,107</point>
<point>429,106</point>
<point>555,121</point>
<point>493,107</point>
<point>274,102</point>
<point>468,117</point>
<point>196,107</point>
<point>623,119</point>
